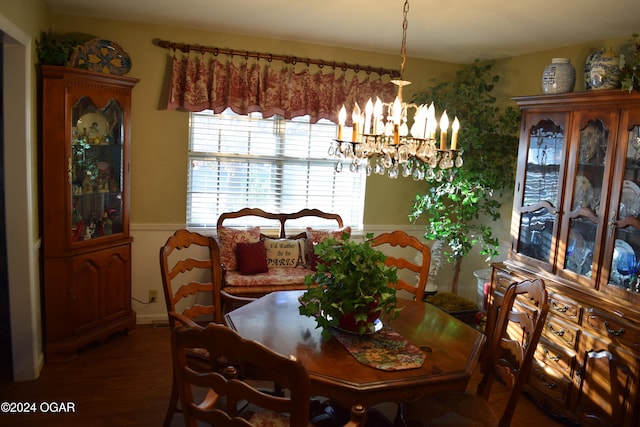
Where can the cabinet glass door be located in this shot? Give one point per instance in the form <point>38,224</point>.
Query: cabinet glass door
<point>96,169</point>
<point>539,190</point>
<point>625,220</point>
<point>584,212</point>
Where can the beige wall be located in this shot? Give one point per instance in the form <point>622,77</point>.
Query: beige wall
<point>159,137</point>
<point>158,177</point>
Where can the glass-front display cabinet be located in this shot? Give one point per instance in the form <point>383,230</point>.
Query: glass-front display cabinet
<point>577,196</point>
<point>576,225</point>
<point>96,169</point>
<point>86,247</point>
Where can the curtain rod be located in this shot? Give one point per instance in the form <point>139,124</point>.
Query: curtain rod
<point>285,58</point>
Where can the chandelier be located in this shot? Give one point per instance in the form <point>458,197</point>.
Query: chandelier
<point>381,135</point>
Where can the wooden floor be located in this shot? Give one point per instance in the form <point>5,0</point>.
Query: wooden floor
<point>126,382</point>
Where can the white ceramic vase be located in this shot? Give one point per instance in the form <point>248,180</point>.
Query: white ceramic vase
<point>559,76</point>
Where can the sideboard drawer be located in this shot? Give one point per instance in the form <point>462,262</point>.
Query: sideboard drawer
<point>550,383</point>
<point>618,330</point>
<point>561,331</point>
<point>559,358</point>
<point>565,307</point>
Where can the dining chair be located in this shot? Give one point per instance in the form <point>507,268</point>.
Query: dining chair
<point>212,397</point>
<point>402,239</point>
<point>510,350</point>
<point>191,283</point>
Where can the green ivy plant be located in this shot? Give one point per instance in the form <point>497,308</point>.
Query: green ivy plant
<point>452,209</point>
<point>631,68</point>
<point>349,277</point>
<point>56,49</point>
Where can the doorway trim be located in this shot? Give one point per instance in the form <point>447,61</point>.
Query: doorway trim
<point>20,179</point>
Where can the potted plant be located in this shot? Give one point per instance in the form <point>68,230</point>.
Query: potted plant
<point>452,209</point>
<point>352,286</point>
<point>56,49</point>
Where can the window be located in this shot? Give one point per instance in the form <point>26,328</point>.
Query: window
<point>274,164</point>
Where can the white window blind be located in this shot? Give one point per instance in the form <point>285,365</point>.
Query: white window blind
<point>274,164</point>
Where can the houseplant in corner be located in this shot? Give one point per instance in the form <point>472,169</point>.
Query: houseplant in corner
<point>453,209</point>
<point>352,286</point>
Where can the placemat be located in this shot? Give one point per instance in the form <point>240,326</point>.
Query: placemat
<point>385,350</point>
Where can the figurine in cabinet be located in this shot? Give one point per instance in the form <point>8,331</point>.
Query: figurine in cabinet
<point>87,183</point>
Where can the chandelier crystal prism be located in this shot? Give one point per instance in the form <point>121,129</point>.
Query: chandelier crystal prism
<point>381,135</point>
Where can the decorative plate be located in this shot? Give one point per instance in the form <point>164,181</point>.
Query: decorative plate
<point>630,199</point>
<point>583,192</point>
<point>633,149</point>
<point>588,148</point>
<point>94,125</point>
<point>102,56</point>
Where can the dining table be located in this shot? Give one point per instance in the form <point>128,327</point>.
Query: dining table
<point>449,348</point>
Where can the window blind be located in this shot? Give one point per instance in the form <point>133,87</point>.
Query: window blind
<point>274,164</point>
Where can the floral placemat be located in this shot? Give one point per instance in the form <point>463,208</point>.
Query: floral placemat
<point>385,350</point>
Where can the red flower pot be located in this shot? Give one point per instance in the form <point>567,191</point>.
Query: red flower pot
<point>348,321</point>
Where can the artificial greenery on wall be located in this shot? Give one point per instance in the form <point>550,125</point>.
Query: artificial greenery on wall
<point>56,49</point>
<point>489,138</point>
<point>631,67</point>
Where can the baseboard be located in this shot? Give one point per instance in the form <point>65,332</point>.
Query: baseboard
<point>151,319</point>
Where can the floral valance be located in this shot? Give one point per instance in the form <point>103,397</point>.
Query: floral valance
<point>201,81</point>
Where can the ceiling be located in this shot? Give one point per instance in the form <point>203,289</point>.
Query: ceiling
<point>457,31</point>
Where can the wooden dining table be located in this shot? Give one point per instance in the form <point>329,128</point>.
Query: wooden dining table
<point>451,349</point>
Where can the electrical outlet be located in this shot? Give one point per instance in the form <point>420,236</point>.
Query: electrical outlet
<point>153,296</point>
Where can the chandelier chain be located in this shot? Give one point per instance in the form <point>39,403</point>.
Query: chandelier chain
<point>382,142</point>
<point>403,49</point>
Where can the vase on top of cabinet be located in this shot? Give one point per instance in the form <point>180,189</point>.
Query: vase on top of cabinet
<point>85,207</point>
<point>576,225</point>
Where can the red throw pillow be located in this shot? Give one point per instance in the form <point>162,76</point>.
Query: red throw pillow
<point>251,258</point>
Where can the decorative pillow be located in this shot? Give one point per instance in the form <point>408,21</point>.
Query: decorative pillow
<point>229,239</point>
<point>251,258</point>
<point>286,252</point>
<point>316,236</point>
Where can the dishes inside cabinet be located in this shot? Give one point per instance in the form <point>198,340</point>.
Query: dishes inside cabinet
<point>588,148</point>
<point>93,128</point>
<point>579,255</point>
<point>583,193</point>
<point>623,264</point>
<point>633,149</point>
<point>629,199</point>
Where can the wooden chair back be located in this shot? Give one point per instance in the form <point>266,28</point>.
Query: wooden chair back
<point>402,239</point>
<point>223,387</point>
<point>190,278</point>
<point>512,345</point>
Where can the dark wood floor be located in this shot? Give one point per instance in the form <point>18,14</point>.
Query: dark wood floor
<point>126,382</point>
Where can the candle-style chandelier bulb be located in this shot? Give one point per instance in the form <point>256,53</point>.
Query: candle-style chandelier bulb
<point>381,134</point>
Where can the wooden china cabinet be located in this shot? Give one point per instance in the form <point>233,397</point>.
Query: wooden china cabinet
<point>85,208</point>
<point>576,224</point>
